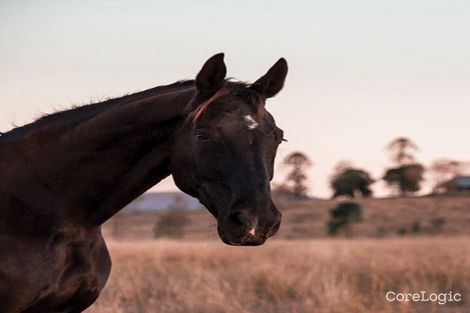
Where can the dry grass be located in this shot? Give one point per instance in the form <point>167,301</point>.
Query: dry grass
<point>300,276</point>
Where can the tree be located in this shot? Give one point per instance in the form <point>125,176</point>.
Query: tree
<point>341,166</point>
<point>444,170</point>
<point>172,223</point>
<point>282,192</point>
<point>437,223</point>
<point>401,150</point>
<point>179,203</point>
<point>297,177</point>
<point>408,174</point>
<point>347,181</point>
<point>406,178</point>
<point>342,217</point>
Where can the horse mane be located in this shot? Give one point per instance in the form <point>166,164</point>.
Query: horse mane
<point>78,114</point>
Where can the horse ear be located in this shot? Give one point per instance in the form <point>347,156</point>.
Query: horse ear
<point>273,81</point>
<point>212,75</point>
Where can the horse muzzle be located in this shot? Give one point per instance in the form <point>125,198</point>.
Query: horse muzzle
<point>240,228</point>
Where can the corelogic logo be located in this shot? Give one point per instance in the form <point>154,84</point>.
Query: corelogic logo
<point>423,296</point>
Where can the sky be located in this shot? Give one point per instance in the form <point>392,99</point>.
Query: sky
<point>360,72</point>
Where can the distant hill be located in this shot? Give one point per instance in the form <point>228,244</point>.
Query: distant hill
<point>164,201</point>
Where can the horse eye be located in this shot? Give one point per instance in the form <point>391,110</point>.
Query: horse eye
<point>201,136</point>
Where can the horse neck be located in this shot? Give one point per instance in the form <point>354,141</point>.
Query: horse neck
<point>98,167</point>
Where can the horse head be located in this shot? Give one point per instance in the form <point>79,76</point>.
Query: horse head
<point>223,153</point>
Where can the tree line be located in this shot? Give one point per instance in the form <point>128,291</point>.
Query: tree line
<point>404,177</point>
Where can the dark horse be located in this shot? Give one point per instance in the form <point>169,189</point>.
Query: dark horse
<point>64,175</point>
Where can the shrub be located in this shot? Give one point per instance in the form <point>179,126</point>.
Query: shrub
<point>342,216</point>
<point>416,227</point>
<point>401,231</point>
<point>171,225</point>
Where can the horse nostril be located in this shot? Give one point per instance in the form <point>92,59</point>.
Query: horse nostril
<point>236,223</point>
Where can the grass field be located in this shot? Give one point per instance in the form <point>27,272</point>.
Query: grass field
<point>308,219</point>
<point>295,276</point>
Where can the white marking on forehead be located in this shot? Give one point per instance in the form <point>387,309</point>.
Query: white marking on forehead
<point>252,231</point>
<point>250,121</point>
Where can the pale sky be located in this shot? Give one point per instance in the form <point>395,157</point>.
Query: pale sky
<point>361,72</point>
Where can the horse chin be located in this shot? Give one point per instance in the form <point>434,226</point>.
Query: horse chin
<point>229,242</point>
<point>240,244</point>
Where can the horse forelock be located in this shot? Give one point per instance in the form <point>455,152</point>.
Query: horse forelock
<point>238,89</point>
